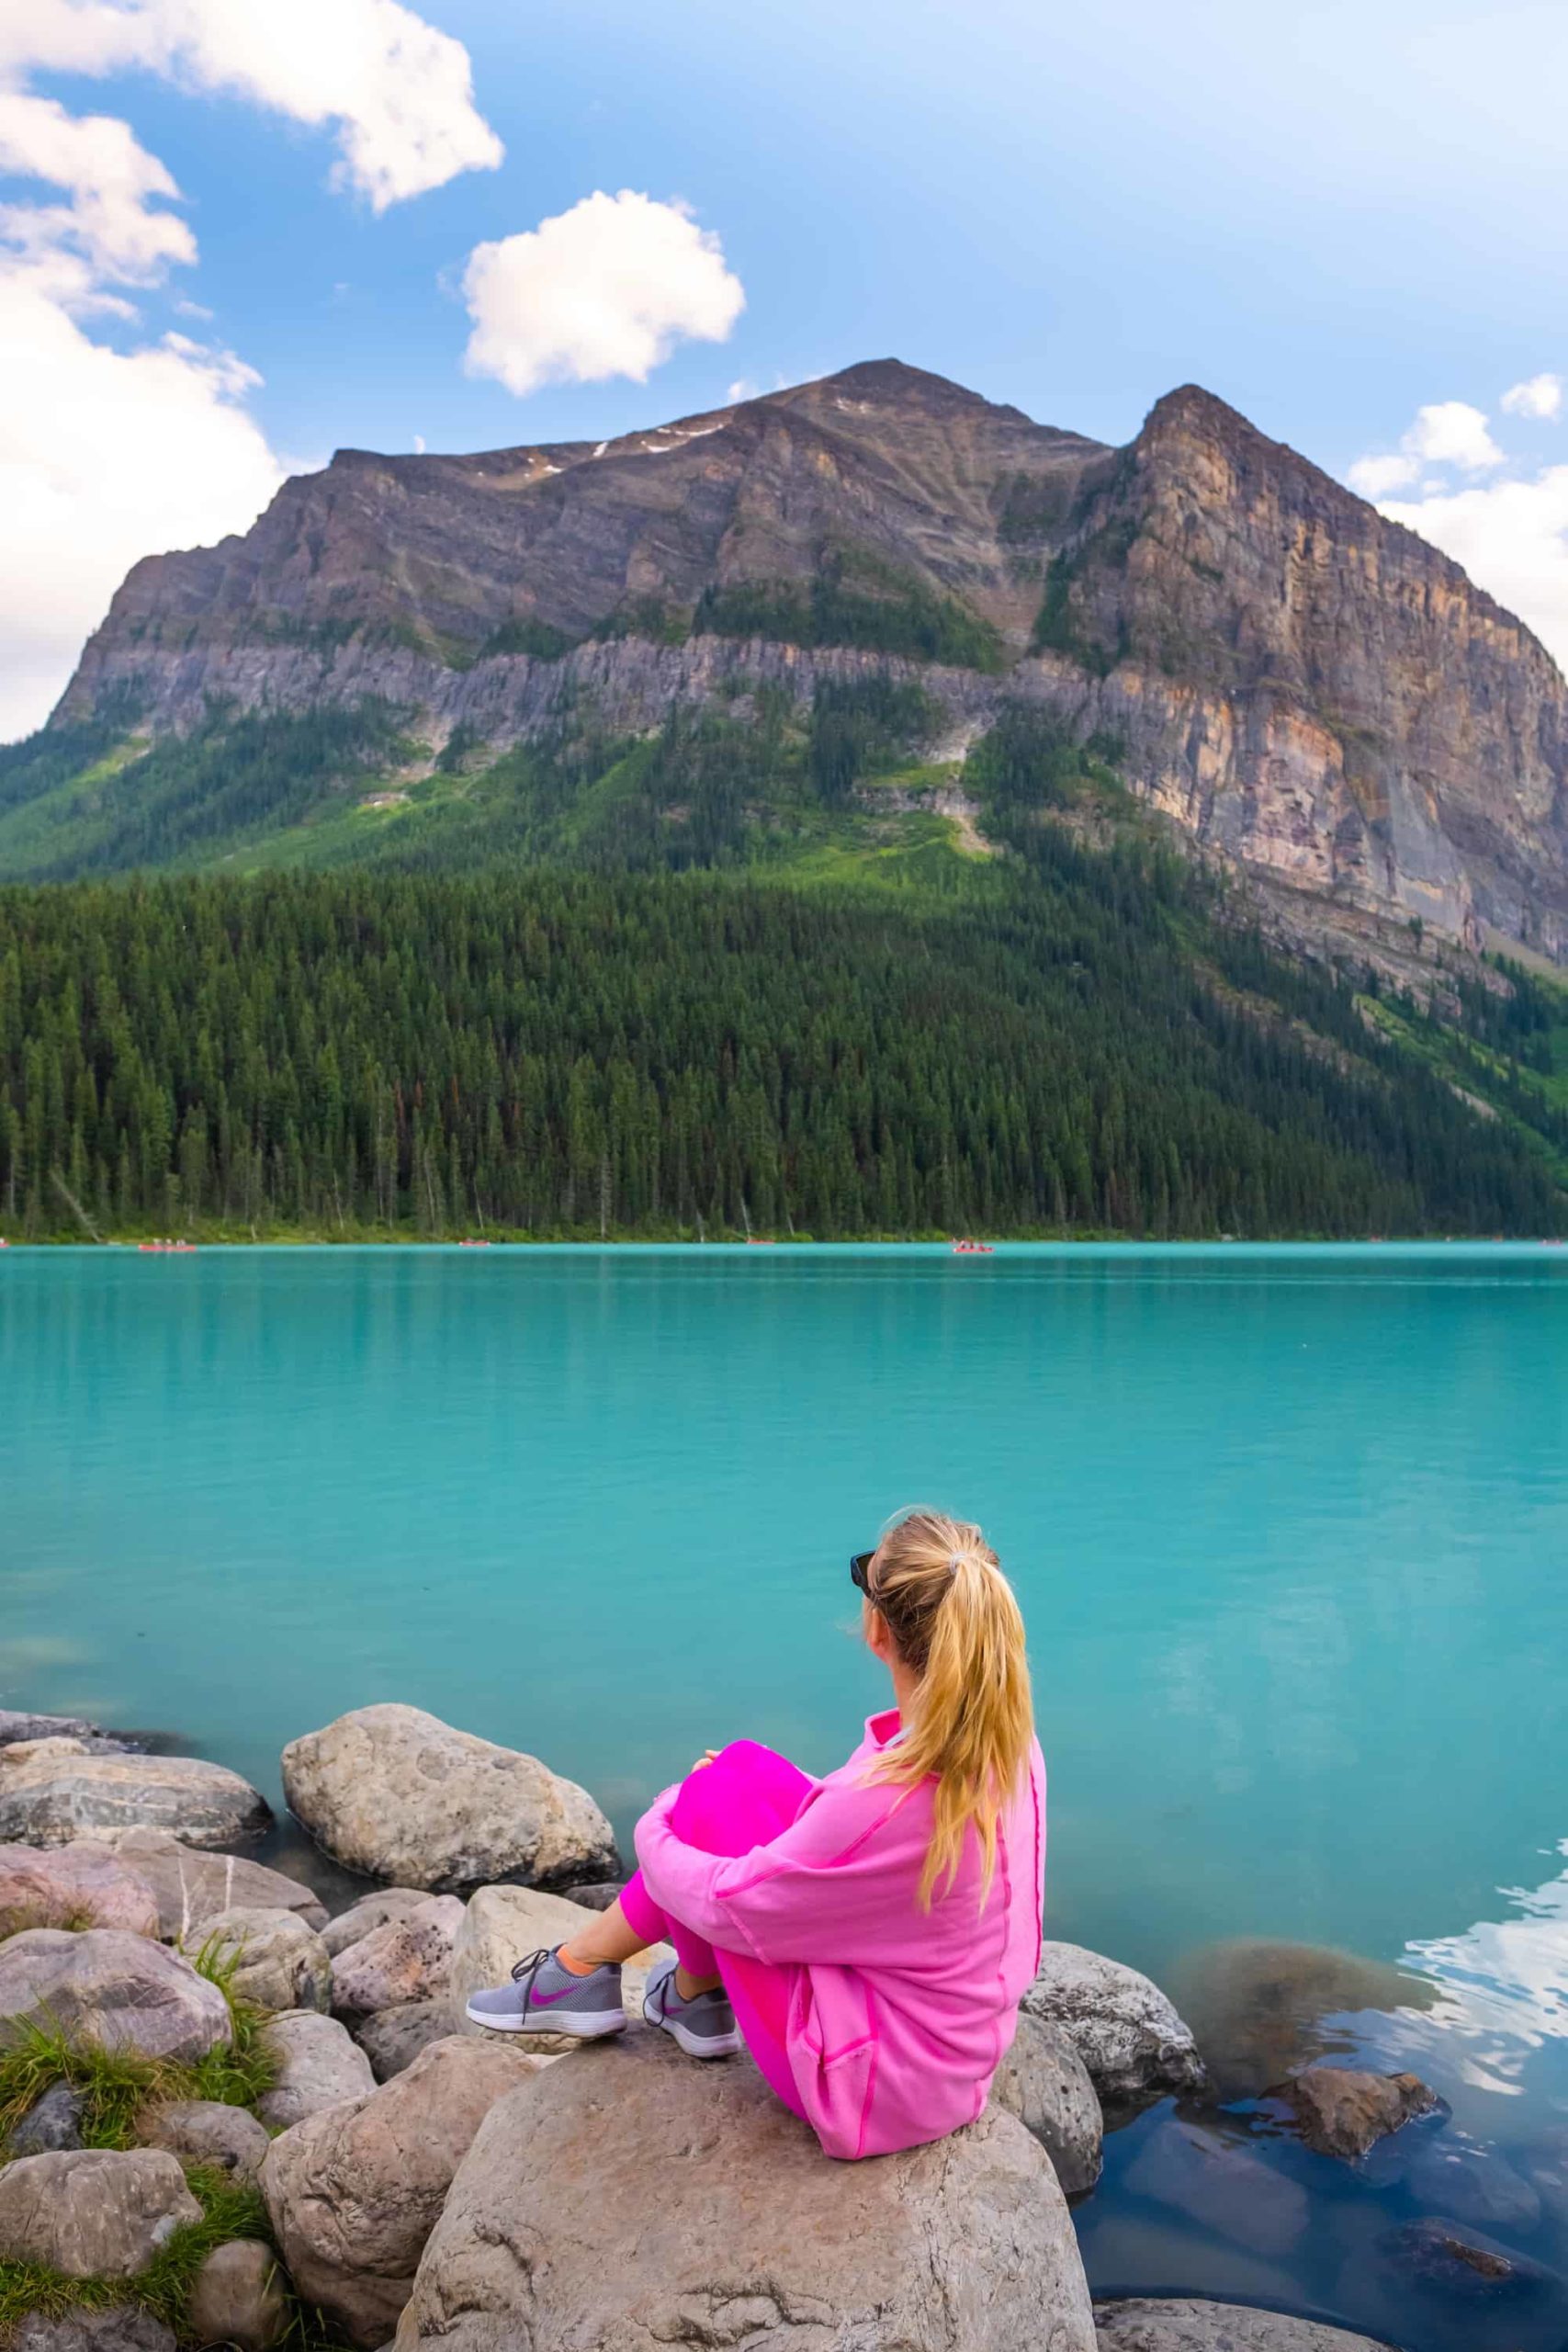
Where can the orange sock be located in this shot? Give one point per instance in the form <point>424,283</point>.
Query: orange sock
<point>577,1967</point>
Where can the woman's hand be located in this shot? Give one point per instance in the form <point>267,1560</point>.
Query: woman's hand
<point>707,1757</point>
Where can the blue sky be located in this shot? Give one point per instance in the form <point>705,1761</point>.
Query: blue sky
<point>1334,217</point>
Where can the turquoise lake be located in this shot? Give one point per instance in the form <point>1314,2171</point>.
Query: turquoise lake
<point>1289,1527</point>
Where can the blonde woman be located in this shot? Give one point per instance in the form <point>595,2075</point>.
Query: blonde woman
<point>866,1937</point>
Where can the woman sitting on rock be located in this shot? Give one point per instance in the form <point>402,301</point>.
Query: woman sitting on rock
<point>866,1937</point>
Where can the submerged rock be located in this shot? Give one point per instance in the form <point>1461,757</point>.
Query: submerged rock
<point>1257,2008</point>
<point>1216,2180</point>
<point>320,2065</point>
<point>393,2038</point>
<point>238,2298</point>
<point>353,2193</point>
<point>1464,2183</point>
<point>1154,2324</point>
<point>399,1794</point>
<point>626,2198</point>
<point>55,1793</point>
<point>1457,2261</point>
<point>123,1992</point>
<point>1045,2084</point>
<point>279,1963</point>
<point>191,1888</point>
<point>1342,2112</point>
<point>80,1885</point>
<point>407,1959</point>
<point>206,2131</point>
<point>94,2213</point>
<point>1130,2038</point>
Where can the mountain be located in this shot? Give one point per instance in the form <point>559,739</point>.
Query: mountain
<point>1307,690</point>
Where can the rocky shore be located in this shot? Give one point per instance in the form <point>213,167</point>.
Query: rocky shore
<point>227,2118</point>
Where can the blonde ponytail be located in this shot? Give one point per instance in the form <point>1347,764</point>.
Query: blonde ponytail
<point>954,1622</point>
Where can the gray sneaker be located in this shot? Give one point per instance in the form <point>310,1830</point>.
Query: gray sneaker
<point>705,2026</point>
<point>545,1997</point>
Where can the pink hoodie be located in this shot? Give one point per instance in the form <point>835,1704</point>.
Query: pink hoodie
<point>897,2017</point>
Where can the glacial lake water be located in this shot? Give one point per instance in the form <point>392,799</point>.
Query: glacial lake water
<point>1290,1526</point>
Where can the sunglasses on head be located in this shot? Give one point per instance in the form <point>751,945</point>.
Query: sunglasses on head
<point>860,1571</point>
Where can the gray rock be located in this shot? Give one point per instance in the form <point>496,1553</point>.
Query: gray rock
<point>1462,2182</point>
<point>393,2038</point>
<point>403,1959</point>
<point>596,1894</point>
<point>82,1885</point>
<point>123,2327</point>
<point>16,1729</point>
<point>1128,2035</point>
<point>280,1963</point>
<point>1045,2084</point>
<point>1340,2111</point>
<point>123,1992</point>
<point>51,2125</point>
<point>401,1795</point>
<point>1144,2324</point>
<point>191,1888</point>
<point>239,2297</point>
<point>53,1795</point>
<point>628,2198</point>
<point>205,2131</point>
<point>319,2066</point>
<point>371,1911</point>
<point>1545,2165</point>
<point>93,2213</point>
<point>354,2193</point>
<point>1214,2180</point>
<point>1464,2264</point>
<point>500,1926</point>
<point>1257,2007</point>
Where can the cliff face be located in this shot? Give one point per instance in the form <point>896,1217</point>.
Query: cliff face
<point>1310,690</point>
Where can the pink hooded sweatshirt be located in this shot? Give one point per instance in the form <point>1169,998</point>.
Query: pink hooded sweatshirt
<point>897,2017</point>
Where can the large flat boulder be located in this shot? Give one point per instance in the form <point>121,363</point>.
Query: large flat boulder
<point>82,1885</point>
<point>353,2193</point>
<point>1129,2036</point>
<point>120,1991</point>
<point>53,1793</point>
<point>628,2198</point>
<point>191,1888</point>
<point>501,1926</point>
<point>399,1794</point>
<point>1153,2324</point>
<point>94,2213</point>
<point>1045,2084</point>
<point>320,2065</point>
<point>1211,2177</point>
<point>402,1960</point>
<point>279,1962</point>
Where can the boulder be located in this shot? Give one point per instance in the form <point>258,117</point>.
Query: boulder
<point>23,1751</point>
<point>280,1963</point>
<point>354,2193</point>
<point>53,2122</point>
<point>403,1959</point>
<point>393,2038</point>
<point>1216,2181</point>
<point>371,1911</point>
<point>1341,2112</point>
<point>84,1885</point>
<point>1462,2264</point>
<point>628,2198</point>
<point>239,2297</point>
<point>16,1729</point>
<point>501,1926</point>
<point>1128,2035</point>
<point>401,1795</point>
<point>1462,2182</point>
<point>93,2213</point>
<point>206,2131</point>
<point>1144,2324</point>
<point>191,1888</point>
<point>121,2327</point>
<point>1045,2084</point>
<point>319,2066</point>
<point>1545,2165</point>
<point>123,1992</point>
<point>597,1893</point>
<point>1257,2007</point>
<point>53,1795</point>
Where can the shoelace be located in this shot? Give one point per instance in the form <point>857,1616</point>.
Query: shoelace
<point>527,1969</point>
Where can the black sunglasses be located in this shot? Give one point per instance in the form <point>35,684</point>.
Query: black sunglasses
<point>860,1571</point>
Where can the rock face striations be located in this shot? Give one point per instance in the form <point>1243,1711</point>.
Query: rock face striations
<point>1308,689</point>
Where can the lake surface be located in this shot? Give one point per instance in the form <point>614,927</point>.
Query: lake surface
<point>1289,1527</point>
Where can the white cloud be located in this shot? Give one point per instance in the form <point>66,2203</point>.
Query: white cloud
<point>743,388</point>
<point>397,93</point>
<point>1512,538</point>
<point>1445,432</point>
<point>1538,396</point>
<point>606,289</point>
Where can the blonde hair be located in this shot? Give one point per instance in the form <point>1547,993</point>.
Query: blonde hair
<point>954,1622</point>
